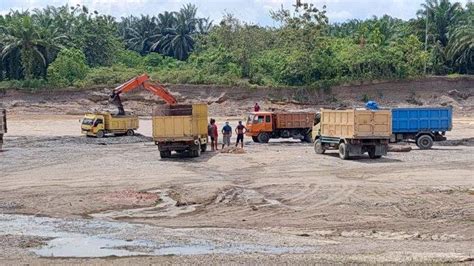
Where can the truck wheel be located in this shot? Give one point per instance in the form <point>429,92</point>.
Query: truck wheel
<point>165,154</point>
<point>130,132</point>
<point>198,151</point>
<point>100,134</point>
<point>263,138</point>
<point>343,151</point>
<point>372,154</point>
<point>424,142</point>
<point>318,147</point>
<point>255,139</point>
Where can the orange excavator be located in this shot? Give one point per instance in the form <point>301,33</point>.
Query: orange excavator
<point>140,81</point>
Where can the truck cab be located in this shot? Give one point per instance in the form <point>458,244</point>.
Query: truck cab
<point>262,126</point>
<point>258,122</point>
<point>93,124</point>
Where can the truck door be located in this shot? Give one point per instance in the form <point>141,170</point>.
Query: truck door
<point>268,124</point>
<point>98,125</point>
<point>262,123</point>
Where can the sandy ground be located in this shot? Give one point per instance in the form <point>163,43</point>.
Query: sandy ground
<point>406,207</point>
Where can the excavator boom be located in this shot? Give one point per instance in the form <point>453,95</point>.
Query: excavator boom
<point>160,91</point>
<point>140,81</point>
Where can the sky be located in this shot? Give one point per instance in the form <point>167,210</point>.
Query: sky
<point>253,11</point>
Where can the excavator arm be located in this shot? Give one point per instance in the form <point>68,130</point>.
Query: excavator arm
<point>140,81</point>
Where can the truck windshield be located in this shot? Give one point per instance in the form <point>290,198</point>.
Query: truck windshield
<point>255,119</point>
<point>87,121</point>
<point>250,119</point>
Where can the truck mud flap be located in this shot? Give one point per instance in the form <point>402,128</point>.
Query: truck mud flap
<point>381,150</point>
<point>354,150</point>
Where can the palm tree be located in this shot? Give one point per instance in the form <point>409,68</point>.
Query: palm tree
<point>176,30</point>
<point>23,35</point>
<point>166,20</point>
<point>142,34</point>
<point>182,42</point>
<point>461,41</point>
<point>188,13</point>
<point>440,15</point>
<point>204,25</point>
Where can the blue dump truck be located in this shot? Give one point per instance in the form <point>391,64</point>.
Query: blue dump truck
<point>421,125</point>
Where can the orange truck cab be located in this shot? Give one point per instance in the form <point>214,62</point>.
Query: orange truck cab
<point>262,126</point>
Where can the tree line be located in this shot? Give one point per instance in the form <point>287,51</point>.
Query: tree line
<point>73,46</point>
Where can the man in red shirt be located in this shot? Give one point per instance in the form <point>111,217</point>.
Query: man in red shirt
<point>256,108</point>
<point>213,133</point>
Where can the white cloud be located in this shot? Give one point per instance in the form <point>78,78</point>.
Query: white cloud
<point>339,15</point>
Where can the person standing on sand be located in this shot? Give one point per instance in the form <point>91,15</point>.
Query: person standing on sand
<point>240,130</point>
<point>256,108</point>
<point>226,134</point>
<point>215,134</point>
<point>212,132</point>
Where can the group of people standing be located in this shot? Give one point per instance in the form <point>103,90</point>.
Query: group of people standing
<point>226,131</point>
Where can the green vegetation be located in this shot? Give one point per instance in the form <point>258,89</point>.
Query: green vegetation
<point>71,46</point>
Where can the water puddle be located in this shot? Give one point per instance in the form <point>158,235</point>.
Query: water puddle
<point>167,207</point>
<point>99,238</point>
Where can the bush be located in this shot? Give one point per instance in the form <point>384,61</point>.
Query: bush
<point>31,84</point>
<point>155,60</point>
<point>113,75</point>
<point>69,67</point>
<point>130,58</point>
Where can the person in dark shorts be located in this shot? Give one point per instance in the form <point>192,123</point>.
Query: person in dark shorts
<point>212,132</point>
<point>240,130</point>
<point>226,134</point>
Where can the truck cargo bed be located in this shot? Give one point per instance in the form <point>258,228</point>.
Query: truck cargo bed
<point>356,124</point>
<point>121,122</point>
<point>413,120</point>
<point>168,125</point>
<point>294,120</point>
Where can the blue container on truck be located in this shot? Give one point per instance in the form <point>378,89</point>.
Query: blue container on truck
<point>422,125</point>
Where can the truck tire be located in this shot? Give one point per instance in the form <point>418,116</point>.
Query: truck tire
<point>255,139</point>
<point>343,151</point>
<point>100,134</point>
<point>318,147</point>
<point>372,154</point>
<point>263,137</point>
<point>196,152</point>
<point>424,142</point>
<point>130,132</point>
<point>165,154</point>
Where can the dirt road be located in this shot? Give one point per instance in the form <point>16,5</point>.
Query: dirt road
<point>276,203</point>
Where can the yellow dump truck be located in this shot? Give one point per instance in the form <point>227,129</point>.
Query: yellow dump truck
<point>353,132</point>
<point>100,124</point>
<point>180,128</point>
<point>3,125</point>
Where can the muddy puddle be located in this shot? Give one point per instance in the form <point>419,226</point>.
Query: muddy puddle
<point>99,238</point>
<point>165,207</point>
